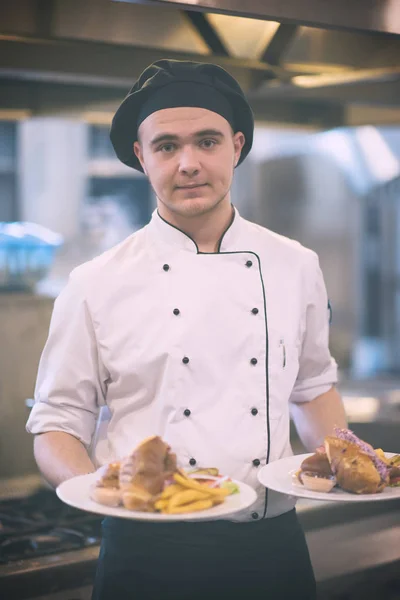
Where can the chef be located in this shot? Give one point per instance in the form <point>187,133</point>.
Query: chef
<point>203,328</point>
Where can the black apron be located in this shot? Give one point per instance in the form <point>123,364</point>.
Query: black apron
<point>214,560</point>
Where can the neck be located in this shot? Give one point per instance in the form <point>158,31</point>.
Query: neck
<point>206,229</point>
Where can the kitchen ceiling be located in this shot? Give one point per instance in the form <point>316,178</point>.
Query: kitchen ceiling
<point>297,63</point>
<point>362,15</point>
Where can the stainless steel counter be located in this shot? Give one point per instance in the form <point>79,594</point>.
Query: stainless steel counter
<point>350,544</point>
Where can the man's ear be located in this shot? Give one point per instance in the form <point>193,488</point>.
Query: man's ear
<point>238,143</point>
<point>139,154</point>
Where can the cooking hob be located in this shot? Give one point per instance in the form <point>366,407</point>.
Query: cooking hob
<point>44,544</point>
<point>41,524</point>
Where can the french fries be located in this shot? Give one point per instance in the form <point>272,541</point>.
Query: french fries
<point>381,455</point>
<point>170,491</point>
<point>187,495</point>
<point>194,485</point>
<point>192,507</point>
<point>395,461</point>
<point>161,504</point>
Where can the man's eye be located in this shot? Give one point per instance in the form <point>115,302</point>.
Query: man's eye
<point>167,148</point>
<point>208,144</point>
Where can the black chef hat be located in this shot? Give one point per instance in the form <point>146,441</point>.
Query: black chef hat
<point>174,83</point>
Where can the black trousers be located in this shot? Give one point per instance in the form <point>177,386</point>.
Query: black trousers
<point>213,560</point>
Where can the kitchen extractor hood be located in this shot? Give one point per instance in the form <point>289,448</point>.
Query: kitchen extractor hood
<point>312,62</point>
<point>358,15</point>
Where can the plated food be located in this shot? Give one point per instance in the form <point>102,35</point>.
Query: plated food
<point>347,462</point>
<point>148,480</point>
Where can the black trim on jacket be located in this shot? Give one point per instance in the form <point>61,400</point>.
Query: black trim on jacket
<point>266,330</point>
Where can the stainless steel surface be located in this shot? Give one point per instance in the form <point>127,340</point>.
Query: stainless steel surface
<point>83,55</point>
<point>318,206</point>
<point>84,61</point>
<point>358,546</point>
<point>384,269</point>
<point>346,546</point>
<point>364,15</point>
<point>43,542</point>
<point>21,486</point>
<point>39,566</point>
<point>367,539</point>
<point>80,593</point>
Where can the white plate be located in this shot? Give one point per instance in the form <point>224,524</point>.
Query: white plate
<point>75,492</point>
<point>280,477</point>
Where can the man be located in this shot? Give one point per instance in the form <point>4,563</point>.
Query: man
<point>203,328</point>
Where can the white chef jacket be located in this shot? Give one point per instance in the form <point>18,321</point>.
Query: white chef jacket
<point>206,350</point>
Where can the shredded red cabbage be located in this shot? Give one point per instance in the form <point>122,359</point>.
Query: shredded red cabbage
<point>349,436</point>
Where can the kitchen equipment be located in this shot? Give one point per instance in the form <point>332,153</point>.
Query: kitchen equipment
<point>49,550</point>
<point>26,254</point>
<point>46,547</point>
<point>40,525</point>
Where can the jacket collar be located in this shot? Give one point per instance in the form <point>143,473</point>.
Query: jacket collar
<point>171,235</point>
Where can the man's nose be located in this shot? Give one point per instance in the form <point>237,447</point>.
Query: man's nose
<point>189,163</point>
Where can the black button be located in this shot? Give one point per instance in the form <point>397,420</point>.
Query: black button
<point>249,263</point>
<point>256,462</point>
<point>166,267</point>
<point>254,515</point>
<point>254,361</point>
<point>185,360</point>
<point>176,311</point>
<point>254,311</point>
<point>186,412</point>
<point>192,462</point>
<point>254,411</point>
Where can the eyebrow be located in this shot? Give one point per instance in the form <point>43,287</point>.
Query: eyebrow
<point>169,137</point>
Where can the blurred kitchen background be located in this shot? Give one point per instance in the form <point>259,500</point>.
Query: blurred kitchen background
<point>324,84</point>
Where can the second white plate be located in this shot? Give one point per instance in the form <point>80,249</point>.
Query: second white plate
<point>280,477</point>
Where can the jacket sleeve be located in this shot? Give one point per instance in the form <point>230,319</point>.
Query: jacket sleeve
<point>71,380</point>
<point>317,369</point>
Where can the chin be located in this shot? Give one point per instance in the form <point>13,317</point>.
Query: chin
<point>192,207</point>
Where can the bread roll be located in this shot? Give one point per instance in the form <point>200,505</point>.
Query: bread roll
<point>143,474</point>
<point>106,496</point>
<point>317,463</point>
<point>106,489</point>
<point>137,498</point>
<point>355,471</point>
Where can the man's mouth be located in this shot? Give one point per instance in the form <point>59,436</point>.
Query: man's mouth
<point>191,186</point>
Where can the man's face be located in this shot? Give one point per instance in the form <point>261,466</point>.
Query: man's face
<point>189,155</point>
